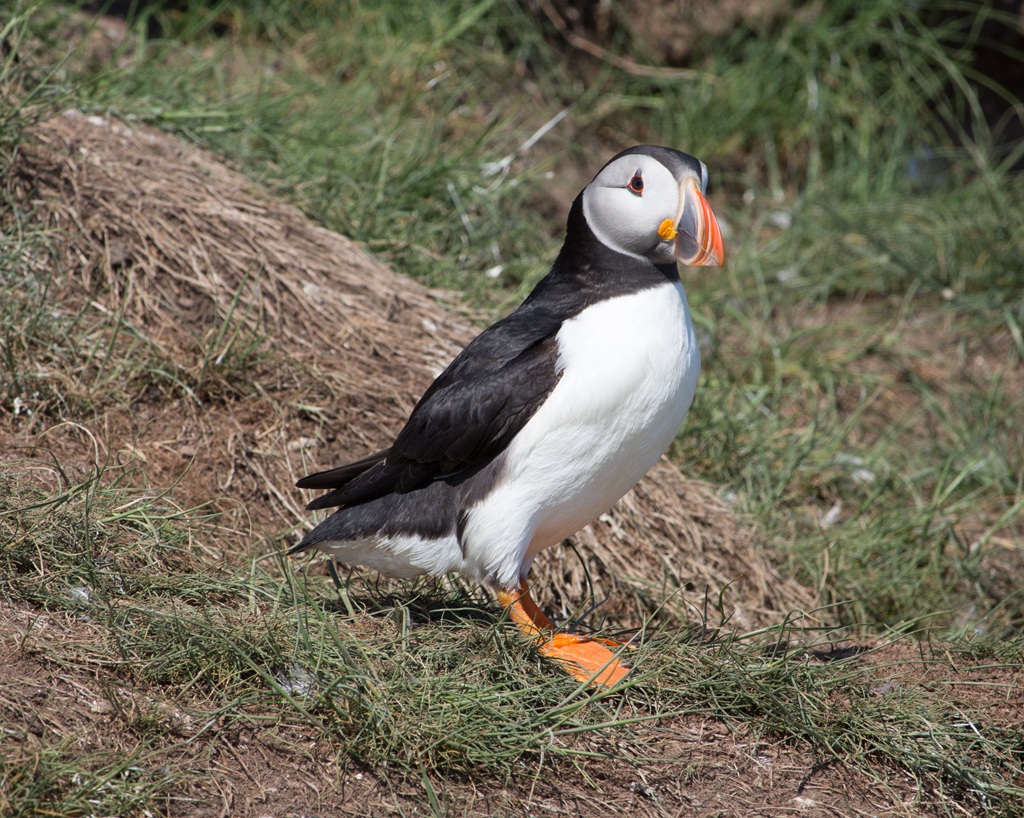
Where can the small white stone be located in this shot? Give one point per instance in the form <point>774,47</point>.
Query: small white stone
<point>830,517</point>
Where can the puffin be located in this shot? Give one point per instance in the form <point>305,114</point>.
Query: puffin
<point>548,416</point>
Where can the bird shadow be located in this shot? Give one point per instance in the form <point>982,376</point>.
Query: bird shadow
<point>422,601</point>
<point>420,610</point>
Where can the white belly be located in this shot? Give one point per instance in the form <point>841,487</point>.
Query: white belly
<point>630,371</point>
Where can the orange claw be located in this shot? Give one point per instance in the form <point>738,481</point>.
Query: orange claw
<point>586,658</point>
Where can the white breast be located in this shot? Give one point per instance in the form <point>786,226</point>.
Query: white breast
<point>630,367</point>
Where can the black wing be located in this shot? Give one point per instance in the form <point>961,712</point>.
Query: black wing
<point>467,416</point>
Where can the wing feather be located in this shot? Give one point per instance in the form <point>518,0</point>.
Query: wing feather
<point>467,416</point>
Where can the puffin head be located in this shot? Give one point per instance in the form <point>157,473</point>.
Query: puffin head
<point>648,202</point>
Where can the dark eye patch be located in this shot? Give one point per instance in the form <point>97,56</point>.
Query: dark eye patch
<point>636,184</point>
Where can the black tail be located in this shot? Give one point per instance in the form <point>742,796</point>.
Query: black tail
<point>338,478</point>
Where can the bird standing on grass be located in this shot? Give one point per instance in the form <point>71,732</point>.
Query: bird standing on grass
<point>549,416</point>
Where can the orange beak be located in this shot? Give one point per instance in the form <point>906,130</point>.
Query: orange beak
<point>698,238</point>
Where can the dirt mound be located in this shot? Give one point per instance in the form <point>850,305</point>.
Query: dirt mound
<point>292,350</point>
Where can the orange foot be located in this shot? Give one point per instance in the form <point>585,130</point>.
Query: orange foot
<point>586,658</point>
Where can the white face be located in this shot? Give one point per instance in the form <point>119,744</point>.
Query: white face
<point>631,199</point>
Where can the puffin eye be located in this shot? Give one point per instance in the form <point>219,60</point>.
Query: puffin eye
<point>636,184</point>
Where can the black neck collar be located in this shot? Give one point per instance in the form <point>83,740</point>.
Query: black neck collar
<point>587,271</point>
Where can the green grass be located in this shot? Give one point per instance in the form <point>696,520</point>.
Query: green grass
<point>60,780</point>
<point>803,427</point>
<point>375,121</point>
<point>864,204</point>
<point>431,679</point>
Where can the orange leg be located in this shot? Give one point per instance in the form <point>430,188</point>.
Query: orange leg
<point>586,658</point>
